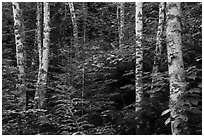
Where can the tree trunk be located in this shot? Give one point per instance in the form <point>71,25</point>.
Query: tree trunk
<point>42,78</point>
<point>20,53</point>
<point>74,22</point>
<point>118,24</point>
<point>139,56</point>
<point>158,49</point>
<point>118,16</point>
<point>39,34</point>
<point>179,123</point>
<point>83,56</point>
<point>121,8</point>
<point>75,49</point>
<point>39,30</point>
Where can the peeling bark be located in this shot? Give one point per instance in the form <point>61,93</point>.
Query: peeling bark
<point>139,56</point>
<point>20,53</point>
<point>179,123</point>
<point>42,78</point>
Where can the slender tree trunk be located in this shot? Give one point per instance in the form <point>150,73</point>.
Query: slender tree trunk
<point>179,123</point>
<point>75,49</point>
<point>39,34</point>
<point>20,53</point>
<point>83,56</point>
<point>69,58</point>
<point>158,50</point>
<point>39,31</point>
<point>118,23</point>
<point>139,56</point>
<point>74,22</point>
<point>118,16</point>
<point>42,78</point>
<point>121,8</point>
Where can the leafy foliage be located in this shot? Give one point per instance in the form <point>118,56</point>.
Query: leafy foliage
<point>107,106</point>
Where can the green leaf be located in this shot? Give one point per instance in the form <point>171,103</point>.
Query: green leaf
<point>182,117</point>
<point>168,121</point>
<point>165,112</point>
<point>194,90</point>
<point>192,77</point>
<point>177,122</point>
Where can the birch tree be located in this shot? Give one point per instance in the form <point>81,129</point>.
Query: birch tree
<point>20,53</point>
<point>39,30</point>
<point>83,55</point>
<point>74,22</point>
<point>120,15</point>
<point>139,56</point>
<point>179,122</point>
<point>42,77</point>
<point>158,49</point>
<point>75,35</point>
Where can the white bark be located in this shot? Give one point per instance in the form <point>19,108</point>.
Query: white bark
<point>139,55</point>
<point>179,123</point>
<point>46,41</point>
<point>43,70</point>
<point>20,53</point>
<point>121,25</point>
<point>74,22</point>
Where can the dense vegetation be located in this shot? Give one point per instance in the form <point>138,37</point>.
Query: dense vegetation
<point>91,88</point>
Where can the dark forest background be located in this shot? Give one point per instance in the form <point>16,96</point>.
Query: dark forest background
<point>109,83</point>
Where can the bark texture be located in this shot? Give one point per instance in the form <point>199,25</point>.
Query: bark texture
<point>139,56</point>
<point>121,8</point>
<point>158,49</point>
<point>74,22</point>
<point>20,53</point>
<point>42,78</point>
<point>179,122</point>
<point>39,33</point>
